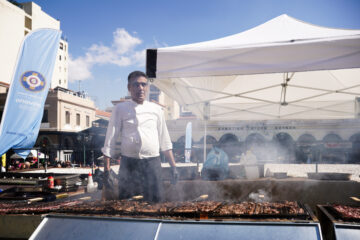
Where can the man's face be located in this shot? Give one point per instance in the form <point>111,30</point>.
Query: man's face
<point>138,89</point>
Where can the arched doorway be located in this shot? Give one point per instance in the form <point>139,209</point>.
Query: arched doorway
<point>178,149</point>
<point>231,145</point>
<point>333,150</point>
<point>306,149</point>
<point>198,148</point>
<point>355,150</point>
<point>285,147</point>
<point>257,144</point>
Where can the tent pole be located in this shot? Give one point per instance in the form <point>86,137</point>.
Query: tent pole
<point>206,117</point>
<point>205,133</point>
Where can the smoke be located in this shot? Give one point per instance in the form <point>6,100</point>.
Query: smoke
<point>260,196</point>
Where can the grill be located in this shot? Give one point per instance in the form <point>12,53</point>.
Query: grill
<point>168,219</point>
<point>339,221</point>
<point>176,210</point>
<point>62,227</point>
<point>66,182</point>
<point>24,193</point>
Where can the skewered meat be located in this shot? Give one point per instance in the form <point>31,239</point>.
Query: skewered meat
<point>207,206</point>
<point>124,206</point>
<point>251,208</point>
<point>162,208</point>
<point>186,207</point>
<point>237,208</point>
<point>34,208</point>
<point>87,207</point>
<point>269,208</point>
<point>347,211</point>
<point>166,207</point>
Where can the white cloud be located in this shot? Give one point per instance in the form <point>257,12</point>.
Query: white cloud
<point>123,41</point>
<point>79,69</point>
<point>139,57</point>
<point>120,52</point>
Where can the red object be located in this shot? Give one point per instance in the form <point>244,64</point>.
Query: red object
<point>90,175</point>
<point>51,182</point>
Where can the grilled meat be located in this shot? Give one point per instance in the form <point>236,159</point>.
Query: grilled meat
<point>209,208</point>
<point>348,212</point>
<point>186,207</point>
<point>34,208</point>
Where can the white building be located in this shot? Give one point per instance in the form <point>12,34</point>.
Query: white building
<point>171,107</point>
<point>17,20</point>
<point>66,113</point>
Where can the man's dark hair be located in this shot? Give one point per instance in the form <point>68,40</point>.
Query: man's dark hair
<point>135,75</point>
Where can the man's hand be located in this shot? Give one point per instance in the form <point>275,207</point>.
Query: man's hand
<point>174,175</point>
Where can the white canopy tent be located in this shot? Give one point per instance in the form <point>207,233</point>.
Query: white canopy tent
<point>282,69</point>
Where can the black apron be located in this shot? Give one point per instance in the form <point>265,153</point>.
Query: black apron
<point>141,177</point>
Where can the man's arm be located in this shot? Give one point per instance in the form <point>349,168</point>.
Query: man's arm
<point>106,164</point>
<point>170,157</point>
<point>112,134</point>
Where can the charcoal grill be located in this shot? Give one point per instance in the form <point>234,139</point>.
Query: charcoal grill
<point>191,210</point>
<point>62,227</point>
<point>132,210</point>
<point>24,193</point>
<point>68,182</point>
<point>334,226</point>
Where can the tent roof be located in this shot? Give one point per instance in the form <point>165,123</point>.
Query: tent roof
<point>284,68</point>
<point>282,29</point>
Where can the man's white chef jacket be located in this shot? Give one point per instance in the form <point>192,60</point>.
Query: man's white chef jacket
<point>136,131</point>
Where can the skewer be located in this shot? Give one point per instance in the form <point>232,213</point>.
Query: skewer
<point>135,198</point>
<point>201,198</point>
<point>85,198</point>
<point>355,199</point>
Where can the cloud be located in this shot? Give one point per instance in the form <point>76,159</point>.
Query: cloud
<point>121,53</point>
<point>139,57</point>
<point>123,41</point>
<point>79,69</point>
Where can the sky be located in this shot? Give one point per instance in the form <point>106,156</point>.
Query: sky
<point>108,38</point>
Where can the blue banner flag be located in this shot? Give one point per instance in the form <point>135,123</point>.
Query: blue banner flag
<point>28,91</point>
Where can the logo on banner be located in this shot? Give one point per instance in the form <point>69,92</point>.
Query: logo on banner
<point>33,81</point>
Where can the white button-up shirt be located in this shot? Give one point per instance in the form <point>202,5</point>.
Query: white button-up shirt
<point>136,131</point>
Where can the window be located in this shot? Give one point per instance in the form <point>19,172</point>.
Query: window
<point>87,121</point>
<point>78,119</point>
<point>45,117</point>
<point>60,57</point>
<point>61,46</point>
<point>67,117</point>
<point>44,142</point>
<point>154,97</point>
<point>60,81</point>
<point>28,22</point>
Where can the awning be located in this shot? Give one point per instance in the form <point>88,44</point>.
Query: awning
<point>282,69</point>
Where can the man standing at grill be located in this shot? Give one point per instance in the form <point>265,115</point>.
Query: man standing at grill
<point>138,129</point>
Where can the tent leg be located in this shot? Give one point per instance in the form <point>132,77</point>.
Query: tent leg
<point>205,133</point>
